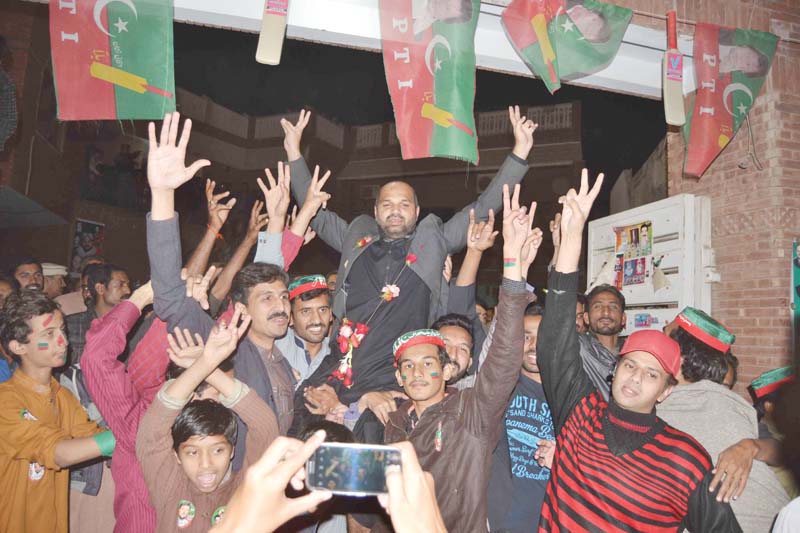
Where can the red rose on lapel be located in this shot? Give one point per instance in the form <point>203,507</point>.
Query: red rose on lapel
<point>411,259</point>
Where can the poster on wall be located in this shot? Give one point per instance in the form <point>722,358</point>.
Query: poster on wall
<point>88,240</point>
<point>632,251</point>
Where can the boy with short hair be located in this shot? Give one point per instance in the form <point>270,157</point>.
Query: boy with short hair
<point>186,447</point>
<point>43,428</point>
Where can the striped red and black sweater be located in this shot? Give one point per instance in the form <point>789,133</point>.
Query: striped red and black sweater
<point>614,470</point>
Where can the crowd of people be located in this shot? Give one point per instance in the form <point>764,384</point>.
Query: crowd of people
<point>193,401</point>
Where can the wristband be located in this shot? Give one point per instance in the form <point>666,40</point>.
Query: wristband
<point>106,442</point>
<point>218,236</point>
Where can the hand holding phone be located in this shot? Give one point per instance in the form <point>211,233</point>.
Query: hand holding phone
<point>411,502</point>
<point>264,487</point>
<point>351,469</point>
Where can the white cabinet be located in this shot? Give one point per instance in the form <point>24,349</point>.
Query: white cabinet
<point>681,241</point>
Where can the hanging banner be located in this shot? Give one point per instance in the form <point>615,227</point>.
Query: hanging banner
<point>562,40</point>
<point>429,58</point>
<point>112,59</point>
<point>730,67</point>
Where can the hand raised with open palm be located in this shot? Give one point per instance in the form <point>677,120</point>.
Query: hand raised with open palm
<point>166,167</point>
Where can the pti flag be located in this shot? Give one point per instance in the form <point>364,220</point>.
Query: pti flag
<point>429,57</point>
<point>112,59</point>
<point>562,40</point>
<point>730,66</point>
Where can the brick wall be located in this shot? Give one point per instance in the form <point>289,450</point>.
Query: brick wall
<point>754,212</point>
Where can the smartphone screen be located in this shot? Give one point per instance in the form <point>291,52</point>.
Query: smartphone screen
<point>352,469</point>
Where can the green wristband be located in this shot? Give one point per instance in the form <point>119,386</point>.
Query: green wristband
<point>106,442</point>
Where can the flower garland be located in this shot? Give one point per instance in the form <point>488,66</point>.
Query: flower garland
<point>351,334</point>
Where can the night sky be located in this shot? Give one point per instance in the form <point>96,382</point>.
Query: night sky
<point>349,86</point>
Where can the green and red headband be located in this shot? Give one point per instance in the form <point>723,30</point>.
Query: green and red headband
<point>705,329</point>
<point>419,336</point>
<point>305,284</point>
<point>771,381</point>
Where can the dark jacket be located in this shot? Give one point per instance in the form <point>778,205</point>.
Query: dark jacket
<point>471,422</point>
<point>432,241</point>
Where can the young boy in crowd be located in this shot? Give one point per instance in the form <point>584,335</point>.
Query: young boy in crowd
<point>186,447</point>
<point>43,428</point>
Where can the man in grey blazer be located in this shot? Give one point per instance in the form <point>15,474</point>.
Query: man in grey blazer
<point>390,273</point>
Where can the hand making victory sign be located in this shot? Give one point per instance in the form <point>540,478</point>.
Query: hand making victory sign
<point>276,197</point>
<point>523,132</point>
<point>293,133</point>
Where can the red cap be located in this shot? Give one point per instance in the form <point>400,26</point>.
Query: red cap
<point>658,345</point>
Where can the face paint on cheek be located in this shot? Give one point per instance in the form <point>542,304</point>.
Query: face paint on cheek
<point>47,320</point>
<point>434,375</point>
<point>403,377</point>
<point>43,345</point>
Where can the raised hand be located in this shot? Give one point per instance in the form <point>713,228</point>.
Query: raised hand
<point>516,222</point>
<point>183,349</point>
<point>555,230</point>
<point>481,234</point>
<point>224,337</point>
<point>218,210</point>
<point>523,132</point>
<point>277,196</point>
<point>166,169</point>
<point>257,222</point>
<point>316,198</point>
<point>197,286</point>
<point>577,205</point>
<point>292,133</point>
<point>530,249</point>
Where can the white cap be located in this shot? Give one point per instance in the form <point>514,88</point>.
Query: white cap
<point>52,269</point>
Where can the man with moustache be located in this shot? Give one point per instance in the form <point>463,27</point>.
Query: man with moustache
<point>517,482</point>
<point>262,288</point>
<point>391,249</point>
<point>605,315</point>
<point>306,343</point>
<point>454,432</point>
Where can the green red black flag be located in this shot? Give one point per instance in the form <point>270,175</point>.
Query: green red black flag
<point>112,59</point>
<point>730,66</point>
<point>429,58</point>
<point>563,40</point>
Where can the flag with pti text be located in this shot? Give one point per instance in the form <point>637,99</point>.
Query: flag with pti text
<point>112,59</point>
<point>429,57</point>
<point>730,66</point>
<point>562,40</point>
